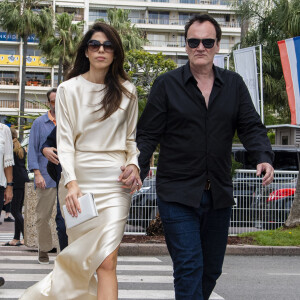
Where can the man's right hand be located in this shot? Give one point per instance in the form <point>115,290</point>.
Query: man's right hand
<point>39,181</point>
<point>50,154</point>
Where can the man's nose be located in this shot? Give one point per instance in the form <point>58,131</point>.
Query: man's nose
<point>200,46</point>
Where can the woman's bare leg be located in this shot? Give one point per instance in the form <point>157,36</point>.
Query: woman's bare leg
<point>107,278</point>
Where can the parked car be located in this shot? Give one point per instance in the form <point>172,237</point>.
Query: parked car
<point>268,205</point>
<point>143,204</point>
<point>272,204</point>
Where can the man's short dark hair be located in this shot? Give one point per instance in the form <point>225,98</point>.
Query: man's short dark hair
<point>202,19</point>
<point>51,91</point>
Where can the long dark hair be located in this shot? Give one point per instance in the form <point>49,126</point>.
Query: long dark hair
<point>17,146</point>
<point>115,75</point>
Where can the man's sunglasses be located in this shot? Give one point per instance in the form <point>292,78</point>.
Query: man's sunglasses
<point>94,45</point>
<point>207,43</point>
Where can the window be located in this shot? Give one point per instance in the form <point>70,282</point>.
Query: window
<point>97,14</point>
<point>4,74</point>
<point>188,1</point>
<point>156,39</point>
<point>158,17</point>
<point>184,17</point>
<point>285,140</point>
<point>33,52</point>
<point>8,50</point>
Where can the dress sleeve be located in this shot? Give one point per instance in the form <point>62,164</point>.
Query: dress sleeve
<point>8,148</point>
<point>132,116</point>
<point>65,136</point>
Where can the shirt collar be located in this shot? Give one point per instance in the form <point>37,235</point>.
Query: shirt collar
<point>187,74</point>
<point>50,118</point>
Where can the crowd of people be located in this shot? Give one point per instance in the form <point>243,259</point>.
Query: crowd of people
<point>90,141</point>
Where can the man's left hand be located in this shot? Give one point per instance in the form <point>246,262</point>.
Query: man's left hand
<point>8,194</point>
<point>269,173</point>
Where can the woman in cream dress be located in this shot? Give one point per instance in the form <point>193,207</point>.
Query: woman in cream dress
<point>96,112</point>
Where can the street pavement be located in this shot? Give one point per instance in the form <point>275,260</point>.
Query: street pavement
<point>145,271</point>
<point>140,277</point>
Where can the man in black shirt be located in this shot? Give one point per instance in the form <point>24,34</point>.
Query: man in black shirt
<point>193,113</point>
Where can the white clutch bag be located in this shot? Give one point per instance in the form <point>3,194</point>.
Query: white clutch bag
<point>88,211</point>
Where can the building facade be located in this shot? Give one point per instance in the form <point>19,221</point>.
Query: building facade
<point>161,20</point>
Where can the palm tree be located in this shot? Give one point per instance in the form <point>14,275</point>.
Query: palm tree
<point>24,18</point>
<point>60,47</point>
<point>131,36</point>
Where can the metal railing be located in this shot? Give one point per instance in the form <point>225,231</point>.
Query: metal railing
<point>27,104</point>
<point>9,81</point>
<point>29,82</point>
<point>256,207</point>
<point>210,2</point>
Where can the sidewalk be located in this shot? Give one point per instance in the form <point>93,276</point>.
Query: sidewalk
<point>135,249</point>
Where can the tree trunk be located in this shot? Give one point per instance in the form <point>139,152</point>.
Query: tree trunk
<point>23,80</point>
<point>60,68</point>
<point>294,217</point>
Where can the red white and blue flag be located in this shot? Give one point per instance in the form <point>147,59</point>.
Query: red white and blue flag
<point>290,59</point>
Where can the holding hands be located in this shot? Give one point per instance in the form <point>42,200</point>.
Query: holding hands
<point>130,178</point>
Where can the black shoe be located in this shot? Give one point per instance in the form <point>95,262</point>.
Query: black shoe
<point>2,281</point>
<point>53,250</point>
<point>9,219</point>
<point>0,223</point>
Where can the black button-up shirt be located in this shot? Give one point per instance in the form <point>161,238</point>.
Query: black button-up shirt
<point>195,141</point>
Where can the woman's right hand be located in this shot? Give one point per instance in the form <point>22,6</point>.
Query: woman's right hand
<point>72,202</point>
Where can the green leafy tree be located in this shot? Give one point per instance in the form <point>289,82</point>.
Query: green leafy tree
<point>60,47</point>
<point>131,36</point>
<point>24,18</point>
<point>143,68</point>
<point>272,21</point>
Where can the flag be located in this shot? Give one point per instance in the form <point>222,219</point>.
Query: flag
<point>219,61</point>
<point>290,59</point>
<point>246,65</point>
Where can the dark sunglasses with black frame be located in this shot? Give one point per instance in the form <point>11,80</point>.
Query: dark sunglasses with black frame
<point>94,45</point>
<point>207,43</point>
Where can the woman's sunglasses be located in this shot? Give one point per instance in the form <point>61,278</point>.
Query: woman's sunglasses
<point>207,43</point>
<point>94,45</point>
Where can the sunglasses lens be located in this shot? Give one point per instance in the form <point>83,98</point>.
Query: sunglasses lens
<point>93,45</point>
<point>193,43</point>
<point>208,43</point>
<point>108,47</point>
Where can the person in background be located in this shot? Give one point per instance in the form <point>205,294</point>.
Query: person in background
<point>20,176</point>
<point>54,170</point>
<point>6,170</point>
<point>45,186</point>
<point>8,215</point>
<point>193,112</point>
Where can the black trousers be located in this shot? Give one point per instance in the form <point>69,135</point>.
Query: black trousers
<point>16,210</point>
<point>1,198</point>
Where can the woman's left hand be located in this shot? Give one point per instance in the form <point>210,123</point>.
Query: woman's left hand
<point>130,177</point>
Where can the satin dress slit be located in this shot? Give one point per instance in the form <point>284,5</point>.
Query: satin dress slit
<point>73,276</point>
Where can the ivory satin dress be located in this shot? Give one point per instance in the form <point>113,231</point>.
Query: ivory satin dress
<point>91,152</point>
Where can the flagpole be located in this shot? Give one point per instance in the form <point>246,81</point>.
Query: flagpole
<point>261,84</point>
